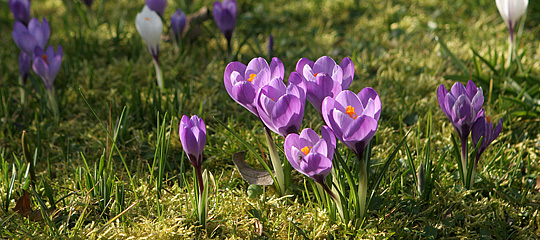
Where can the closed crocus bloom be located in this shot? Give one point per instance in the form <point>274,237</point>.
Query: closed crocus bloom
<point>483,127</point>
<point>88,2</point>
<point>178,23</point>
<point>36,34</point>
<point>47,64</point>
<point>353,117</point>
<point>461,105</point>
<point>324,78</point>
<point>193,137</point>
<point>225,16</point>
<point>280,107</point>
<point>511,11</point>
<point>20,10</point>
<point>310,154</point>
<point>157,6</point>
<point>150,27</point>
<point>243,82</point>
<point>25,62</point>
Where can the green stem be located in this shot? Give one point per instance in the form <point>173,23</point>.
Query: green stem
<point>362,188</point>
<point>159,74</point>
<point>53,104</point>
<point>22,91</point>
<point>276,163</point>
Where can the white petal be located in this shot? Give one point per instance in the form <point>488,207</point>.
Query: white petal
<point>149,26</point>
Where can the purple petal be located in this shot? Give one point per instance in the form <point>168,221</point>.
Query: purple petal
<point>277,70</point>
<point>458,89</point>
<point>348,72</point>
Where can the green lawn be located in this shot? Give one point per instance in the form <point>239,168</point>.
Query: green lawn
<point>396,48</point>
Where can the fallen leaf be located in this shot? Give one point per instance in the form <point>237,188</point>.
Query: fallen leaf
<point>251,175</point>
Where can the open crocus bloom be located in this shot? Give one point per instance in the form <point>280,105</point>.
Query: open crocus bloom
<point>192,133</point>
<point>324,78</point>
<point>353,117</point>
<point>511,11</point>
<point>20,10</point>
<point>47,64</point>
<point>150,27</point>
<point>157,6</point>
<point>36,34</point>
<point>310,154</point>
<point>280,107</point>
<point>225,16</point>
<point>461,105</point>
<point>243,82</point>
<point>178,23</point>
<point>483,127</point>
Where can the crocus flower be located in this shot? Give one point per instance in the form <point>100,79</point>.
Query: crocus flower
<point>47,64</point>
<point>280,107</point>
<point>36,34</point>
<point>157,6</point>
<point>511,11</point>
<point>310,154</point>
<point>178,23</point>
<point>192,134</point>
<point>461,105</point>
<point>353,117</point>
<point>193,137</point>
<point>324,78</point>
<point>225,16</point>
<point>88,2</point>
<point>20,10</point>
<point>483,127</point>
<point>25,62</point>
<point>243,82</point>
<point>150,27</point>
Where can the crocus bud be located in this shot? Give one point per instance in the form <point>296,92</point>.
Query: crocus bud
<point>270,46</point>
<point>47,64</point>
<point>511,11</point>
<point>178,23</point>
<point>88,2</point>
<point>157,6</point>
<point>225,16</point>
<point>25,62</point>
<point>193,137</point>
<point>483,128</point>
<point>20,10</point>
<point>150,27</point>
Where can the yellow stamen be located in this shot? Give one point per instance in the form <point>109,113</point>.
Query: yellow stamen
<point>350,111</point>
<point>251,77</point>
<point>306,150</point>
<point>147,18</point>
<point>45,58</point>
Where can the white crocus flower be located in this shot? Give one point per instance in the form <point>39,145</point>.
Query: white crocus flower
<point>150,27</point>
<point>511,11</point>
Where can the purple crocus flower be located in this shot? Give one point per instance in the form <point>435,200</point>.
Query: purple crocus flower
<point>193,137</point>
<point>36,34</point>
<point>280,107</point>
<point>324,78</point>
<point>461,105</point>
<point>353,117</point>
<point>270,48</point>
<point>225,16</point>
<point>88,2</point>
<point>25,62</point>
<point>157,6</point>
<point>47,64</point>
<point>178,23</point>
<point>192,132</point>
<point>20,10</point>
<point>483,127</point>
<point>243,82</point>
<point>310,154</point>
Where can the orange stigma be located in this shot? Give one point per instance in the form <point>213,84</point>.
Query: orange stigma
<point>147,18</point>
<point>251,77</point>
<point>488,119</point>
<point>306,150</point>
<point>315,75</point>
<point>350,111</point>
<point>45,58</point>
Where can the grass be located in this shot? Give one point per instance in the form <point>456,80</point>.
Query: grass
<point>106,190</point>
